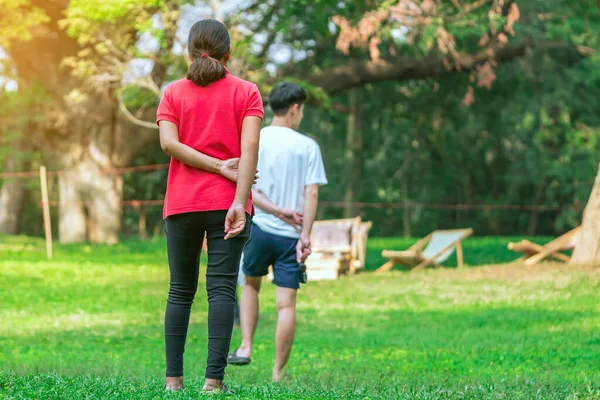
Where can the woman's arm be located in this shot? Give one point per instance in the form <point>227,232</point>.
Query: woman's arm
<point>248,160</point>
<point>235,221</point>
<point>169,141</point>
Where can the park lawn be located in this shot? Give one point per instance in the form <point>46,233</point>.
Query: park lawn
<point>88,325</point>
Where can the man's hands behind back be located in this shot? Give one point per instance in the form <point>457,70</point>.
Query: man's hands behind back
<point>303,249</point>
<point>290,217</point>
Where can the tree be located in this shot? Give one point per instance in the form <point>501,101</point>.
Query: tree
<point>587,250</point>
<point>380,41</point>
<point>78,52</point>
<point>419,40</point>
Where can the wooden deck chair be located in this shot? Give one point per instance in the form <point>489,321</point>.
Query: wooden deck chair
<point>360,243</point>
<point>334,248</point>
<point>440,246</point>
<point>533,253</point>
<point>335,235</point>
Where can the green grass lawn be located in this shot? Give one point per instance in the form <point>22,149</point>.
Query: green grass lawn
<point>88,325</point>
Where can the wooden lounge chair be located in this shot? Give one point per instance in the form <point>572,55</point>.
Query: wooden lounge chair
<point>360,242</point>
<point>440,246</point>
<point>339,247</point>
<point>334,248</point>
<point>533,253</point>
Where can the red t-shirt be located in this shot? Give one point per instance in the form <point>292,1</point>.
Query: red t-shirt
<point>210,121</point>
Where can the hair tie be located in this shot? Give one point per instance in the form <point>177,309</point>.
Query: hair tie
<point>204,55</point>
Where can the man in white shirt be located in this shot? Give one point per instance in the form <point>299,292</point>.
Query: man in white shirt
<point>291,170</point>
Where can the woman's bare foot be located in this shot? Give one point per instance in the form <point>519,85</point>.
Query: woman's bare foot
<point>215,386</point>
<point>278,375</point>
<point>212,385</point>
<point>244,351</point>
<point>174,383</point>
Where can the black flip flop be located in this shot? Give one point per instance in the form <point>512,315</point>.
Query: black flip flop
<point>234,359</point>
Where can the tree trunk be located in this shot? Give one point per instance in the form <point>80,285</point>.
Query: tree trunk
<point>405,209</point>
<point>353,158</point>
<point>90,195</point>
<point>535,214</point>
<point>12,198</point>
<point>89,205</point>
<point>216,9</point>
<point>587,250</point>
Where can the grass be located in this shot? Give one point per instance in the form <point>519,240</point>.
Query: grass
<point>88,325</point>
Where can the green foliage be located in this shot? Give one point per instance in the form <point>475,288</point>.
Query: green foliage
<point>18,112</point>
<point>83,17</point>
<point>531,139</point>
<point>136,98</point>
<point>18,18</point>
<point>317,97</point>
<point>108,10</point>
<point>89,324</point>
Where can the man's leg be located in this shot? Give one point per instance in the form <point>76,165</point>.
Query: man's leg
<point>249,314</point>
<point>286,328</point>
<point>287,278</point>
<point>257,257</point>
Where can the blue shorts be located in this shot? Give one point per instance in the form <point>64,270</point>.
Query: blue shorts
<point>264,249</point>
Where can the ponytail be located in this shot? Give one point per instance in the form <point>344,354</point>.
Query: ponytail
<point>209,47</point>
<point>205,70</point>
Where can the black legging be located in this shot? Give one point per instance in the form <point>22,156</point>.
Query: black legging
<point>185,233</point>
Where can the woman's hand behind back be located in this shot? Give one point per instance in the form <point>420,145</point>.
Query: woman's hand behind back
<point>230,170</point>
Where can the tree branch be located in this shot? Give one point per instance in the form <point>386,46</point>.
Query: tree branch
<point>473,6</point>
<point>169,20</point>
<point>268,18</point>
<point>216,9</point>
<point>132,118</point>
<point>268,43</point>
<point>344,77</point>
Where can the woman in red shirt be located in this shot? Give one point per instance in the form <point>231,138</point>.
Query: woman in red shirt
<point>209,125</point>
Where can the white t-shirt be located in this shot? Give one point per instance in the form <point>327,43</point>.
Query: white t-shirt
<point>287,162</point>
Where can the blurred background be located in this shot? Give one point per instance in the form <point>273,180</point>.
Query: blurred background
<point>431,114</point>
